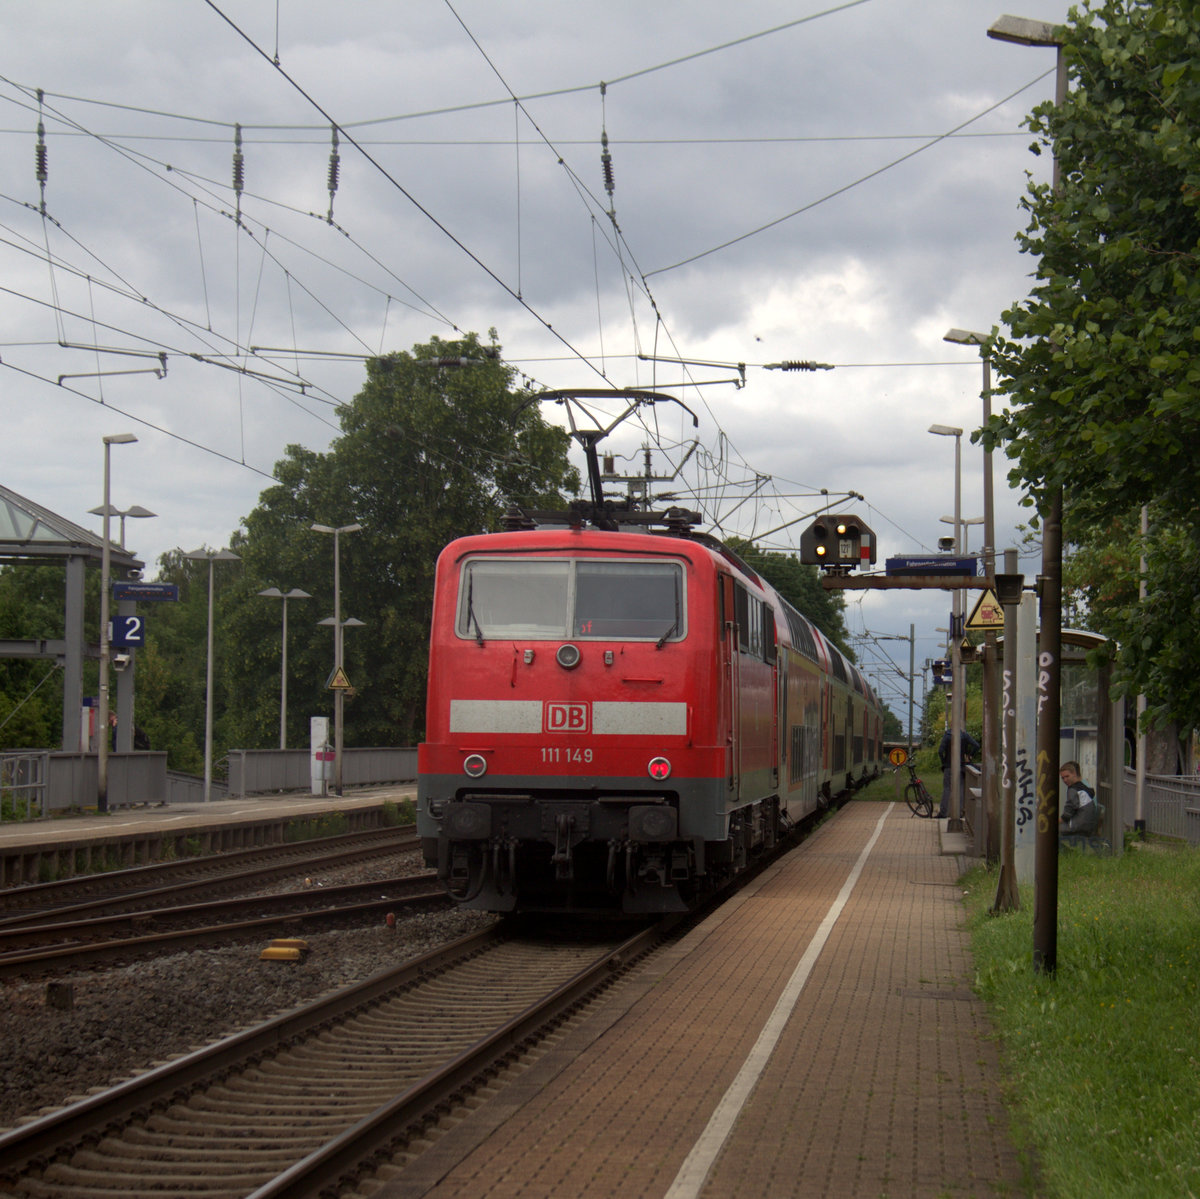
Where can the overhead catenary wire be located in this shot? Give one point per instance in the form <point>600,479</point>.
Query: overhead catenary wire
<point>388,300</point>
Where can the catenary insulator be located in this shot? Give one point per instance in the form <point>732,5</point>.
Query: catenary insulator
<point>239,169</point>
<point>334,162</point>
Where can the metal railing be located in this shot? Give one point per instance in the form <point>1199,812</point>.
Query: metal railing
<point>260,771</point>
<point>35,784</point>
<point>1172,804</point>
<point>23,784</point>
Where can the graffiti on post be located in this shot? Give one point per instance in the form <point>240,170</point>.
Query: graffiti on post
<point>1026,799</point>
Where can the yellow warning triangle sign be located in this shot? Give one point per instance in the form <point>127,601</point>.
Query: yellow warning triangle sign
<point>988,612</point>
<point>338,681</point>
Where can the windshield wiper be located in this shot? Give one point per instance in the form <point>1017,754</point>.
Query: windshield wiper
<point>471,617</point>
<point>663,639</point>
<point>674,624</point>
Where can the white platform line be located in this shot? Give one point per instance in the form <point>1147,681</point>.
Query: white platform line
<point>696,1166</point>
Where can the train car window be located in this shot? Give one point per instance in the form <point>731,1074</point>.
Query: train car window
<point>741,611</point>
<point>801,630</point>
<point>839,665</point>
<point>513,598</point>
<point>860,684</point>
<point>540,599</point>
<point>768,641</point>
<point>629,600</point>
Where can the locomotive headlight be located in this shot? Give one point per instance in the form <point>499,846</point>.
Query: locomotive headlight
<point>659,769</point>
<point>567,656</point>
<point>475,765</point>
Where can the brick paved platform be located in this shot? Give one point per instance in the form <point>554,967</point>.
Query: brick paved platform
<point>815,1037</point>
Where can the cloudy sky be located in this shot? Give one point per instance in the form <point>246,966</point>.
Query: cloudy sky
<point>837,183</point>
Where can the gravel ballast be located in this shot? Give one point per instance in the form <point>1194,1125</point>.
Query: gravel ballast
<point>126,1019</point>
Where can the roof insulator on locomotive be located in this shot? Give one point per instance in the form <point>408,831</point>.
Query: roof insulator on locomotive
<point>514,519</point>
<point>681,520</point>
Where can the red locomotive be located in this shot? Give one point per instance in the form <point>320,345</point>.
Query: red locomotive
<point>620,719</point>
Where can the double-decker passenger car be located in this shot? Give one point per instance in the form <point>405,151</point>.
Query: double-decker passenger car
<point>620,720</point>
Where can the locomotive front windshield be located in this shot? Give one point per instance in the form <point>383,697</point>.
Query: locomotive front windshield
<point>547,599</point>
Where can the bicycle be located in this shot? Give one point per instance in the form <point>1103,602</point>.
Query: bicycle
<point>916,794</point>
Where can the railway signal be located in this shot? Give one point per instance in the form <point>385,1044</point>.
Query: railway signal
<point>837,543</point>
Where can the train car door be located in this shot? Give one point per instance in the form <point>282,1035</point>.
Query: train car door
<point>730,669</point>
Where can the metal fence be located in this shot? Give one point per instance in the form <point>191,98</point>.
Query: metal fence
<point>1172,804</point>
<point>261,771</point>
<point>23,784</point>
<point>35,784</point>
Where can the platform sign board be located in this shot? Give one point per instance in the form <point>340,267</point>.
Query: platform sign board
<point>160,592</point>
<point>933,564</point>
<point>127,631</point>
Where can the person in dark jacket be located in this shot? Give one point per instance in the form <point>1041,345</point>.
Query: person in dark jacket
<point>968,748</point>
<point>1080,813</point>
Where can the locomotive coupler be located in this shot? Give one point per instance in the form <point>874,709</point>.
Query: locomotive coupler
<point>504,865</point>
<point>564,866</point>
<point>681,867</point>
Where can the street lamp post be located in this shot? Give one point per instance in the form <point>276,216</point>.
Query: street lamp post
<point>105,568</point>
<point>965,524</point>
<point>275,593</point>
<point>124,688</point>
<point>337,680</point>
<point>1006,897</point>
<point>210,556</point>
<point>1025,32</point>
<point>957,705</point>
<point>136,510</point>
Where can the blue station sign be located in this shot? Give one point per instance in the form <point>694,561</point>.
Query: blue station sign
<point>162,592</point>
<point>933,564</point>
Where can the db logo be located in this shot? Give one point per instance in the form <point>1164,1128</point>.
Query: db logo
<point>567,718</point>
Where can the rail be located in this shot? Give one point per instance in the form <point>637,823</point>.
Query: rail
<point>427,1073</point>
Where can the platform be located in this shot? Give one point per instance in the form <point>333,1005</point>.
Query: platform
<point>42,850</point>
<point>816,1036</point>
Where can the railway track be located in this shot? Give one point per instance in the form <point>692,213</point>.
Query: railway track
<point>141,886</point>
<point>306,1100</point>
<point>36,946</point>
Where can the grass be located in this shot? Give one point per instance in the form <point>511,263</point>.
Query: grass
<point>1102,1058</point>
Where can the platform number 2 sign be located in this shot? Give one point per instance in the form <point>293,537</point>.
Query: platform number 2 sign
<point>128,630</point>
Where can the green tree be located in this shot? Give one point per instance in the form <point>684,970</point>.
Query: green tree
<point>1100,361</point>
<point>428,452</point>
<point>33,607</point>
<point>893,730</point>
<point>169,701</point>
